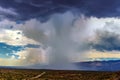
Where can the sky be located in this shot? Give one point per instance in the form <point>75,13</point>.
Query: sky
<point>58,32</point>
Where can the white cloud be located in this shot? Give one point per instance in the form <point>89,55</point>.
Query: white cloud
<point>37,31</point>
<point>32,56</point>
<point>92,26</point>
<point>80,30</point>
<point>12,37</point>
<point>94,23</point>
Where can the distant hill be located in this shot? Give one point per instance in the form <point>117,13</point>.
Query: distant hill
<point>113,65</point>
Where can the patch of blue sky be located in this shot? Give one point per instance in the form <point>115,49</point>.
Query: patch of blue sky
<point>6,51</point>
<point>19,22</point>
<point>109,59</point>
<point>103,59</point>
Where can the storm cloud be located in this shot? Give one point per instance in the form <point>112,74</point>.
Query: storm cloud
<point>43,9</point>
<point>60,32</point>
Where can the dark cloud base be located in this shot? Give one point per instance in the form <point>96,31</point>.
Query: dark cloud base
<point>42,9</point>
<point>106,41</point>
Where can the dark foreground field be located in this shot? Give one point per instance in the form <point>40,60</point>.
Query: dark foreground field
<point>14,74</point>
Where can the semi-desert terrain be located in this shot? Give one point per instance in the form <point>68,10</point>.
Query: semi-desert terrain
<point>30,74</point>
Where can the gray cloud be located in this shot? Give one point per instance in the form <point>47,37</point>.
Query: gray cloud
<point>107,39</point>
<point>57,34</point>
<point>43,9</point>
